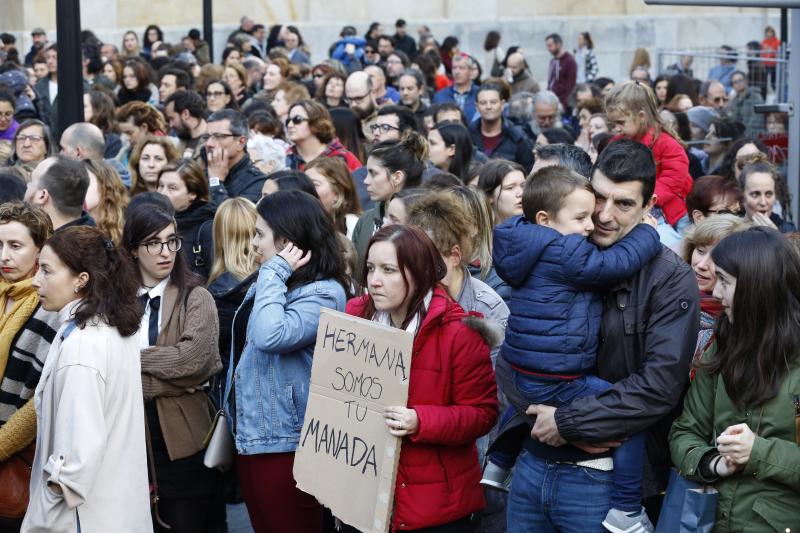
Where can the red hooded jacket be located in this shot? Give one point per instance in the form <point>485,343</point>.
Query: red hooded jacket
<point>452,388</point>
<point>673,181</point>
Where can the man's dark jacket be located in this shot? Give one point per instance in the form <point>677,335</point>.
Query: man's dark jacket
<point>514,144</point>
<point>244,179</point>
<point>648,337</point>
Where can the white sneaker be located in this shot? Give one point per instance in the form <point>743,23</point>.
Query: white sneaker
<point>621,522</point>
<point>496,477</point>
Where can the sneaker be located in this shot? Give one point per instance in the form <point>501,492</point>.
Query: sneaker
<point>621,522</point>
<point>496,477</point>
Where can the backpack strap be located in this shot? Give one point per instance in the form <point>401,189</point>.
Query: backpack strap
<point>197,246</point>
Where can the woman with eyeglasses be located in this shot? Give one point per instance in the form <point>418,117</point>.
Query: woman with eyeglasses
<point>713,195</point>
<point>8,126</point>
<point>32,144</point>
<point>184,183</point>
<point>219,96</point>
<point>310,129</point>
<point>179,354</point>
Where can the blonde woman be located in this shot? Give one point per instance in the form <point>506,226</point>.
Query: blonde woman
<point>233,270</point>
<point>480,262</point>
<point>106,199</point>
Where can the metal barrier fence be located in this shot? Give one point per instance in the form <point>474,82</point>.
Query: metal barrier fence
<point>771,74</point>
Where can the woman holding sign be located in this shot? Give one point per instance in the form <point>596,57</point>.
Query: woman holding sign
<point>302,270</point>
<point>452,399</point>
<point>740,426</point>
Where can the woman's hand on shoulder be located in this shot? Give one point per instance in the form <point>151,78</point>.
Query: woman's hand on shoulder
<point>294,256</point>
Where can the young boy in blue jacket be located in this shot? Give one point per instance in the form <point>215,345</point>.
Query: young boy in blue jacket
<point>553,330</point>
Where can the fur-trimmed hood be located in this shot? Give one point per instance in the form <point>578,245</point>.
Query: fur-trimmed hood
<point>489,331</point>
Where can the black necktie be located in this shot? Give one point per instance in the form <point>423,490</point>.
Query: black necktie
<point>154,304</point>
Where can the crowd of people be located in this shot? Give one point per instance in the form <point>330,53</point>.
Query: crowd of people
<point>602,279</point>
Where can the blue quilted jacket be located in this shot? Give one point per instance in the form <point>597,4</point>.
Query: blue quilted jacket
<point>555,305</point>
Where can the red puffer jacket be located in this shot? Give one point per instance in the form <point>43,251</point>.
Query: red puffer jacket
<point>673,181</point>
<point>452,388</point>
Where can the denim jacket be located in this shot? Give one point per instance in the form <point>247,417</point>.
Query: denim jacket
<point>271,379</point>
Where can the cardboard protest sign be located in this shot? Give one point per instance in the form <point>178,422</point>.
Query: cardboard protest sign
<point>346,457</point>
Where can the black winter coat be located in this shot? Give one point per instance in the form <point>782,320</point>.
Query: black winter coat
<point>647,340</point>
<point>514,144</point>
<point>195,225</point>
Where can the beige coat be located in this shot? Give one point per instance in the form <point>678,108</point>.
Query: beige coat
<point>91,462</point>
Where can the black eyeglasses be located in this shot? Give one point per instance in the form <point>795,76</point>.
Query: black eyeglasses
<point>355,99</point>
<point>219,137</point>
<point>385,128</point>
<point>173,244</point>
<point>296,120</point>
<point>739,212</point>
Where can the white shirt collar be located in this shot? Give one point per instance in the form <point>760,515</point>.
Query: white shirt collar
<point>158,290</point>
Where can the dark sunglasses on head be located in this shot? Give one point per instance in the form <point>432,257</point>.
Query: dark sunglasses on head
<point>296,120</point>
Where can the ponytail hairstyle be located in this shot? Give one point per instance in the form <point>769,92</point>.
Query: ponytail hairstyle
<point>481,215</point>
<point>113,283</point>
<point>409,155</point>
<point>633,97</point>
<point>456,134</point>
<point>144,221</point>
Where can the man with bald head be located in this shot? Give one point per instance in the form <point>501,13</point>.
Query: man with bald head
<point>58,185</point>
<point>712,94</point>
<point>84,140</point>
<point>359,94</point>
<point>519,75</point>
<point>384,95</point>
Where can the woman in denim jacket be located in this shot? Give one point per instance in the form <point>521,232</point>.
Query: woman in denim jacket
<point>274,330</point>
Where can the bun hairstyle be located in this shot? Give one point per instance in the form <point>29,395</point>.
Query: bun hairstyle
<point>409,155</point>
<point>110,293</point>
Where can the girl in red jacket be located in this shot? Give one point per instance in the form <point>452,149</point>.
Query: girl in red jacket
<point>632,110</point>
<point>452,398</point>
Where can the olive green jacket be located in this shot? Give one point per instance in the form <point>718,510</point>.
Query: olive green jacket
<point>765,495</point>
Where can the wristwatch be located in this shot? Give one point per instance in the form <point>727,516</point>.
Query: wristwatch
<point>214,181</point>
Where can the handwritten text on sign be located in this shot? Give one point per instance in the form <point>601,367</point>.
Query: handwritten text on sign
<point>346,457</point>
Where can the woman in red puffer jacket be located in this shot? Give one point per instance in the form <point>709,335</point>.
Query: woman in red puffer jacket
<point>452,396</point>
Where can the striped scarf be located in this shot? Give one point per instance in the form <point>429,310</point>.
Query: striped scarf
<point>26,333</point>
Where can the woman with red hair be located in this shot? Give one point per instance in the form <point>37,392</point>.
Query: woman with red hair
<point>452,398</point>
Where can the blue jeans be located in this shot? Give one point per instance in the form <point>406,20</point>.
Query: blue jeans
<point>548,497</point>
<point>628,458</point>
